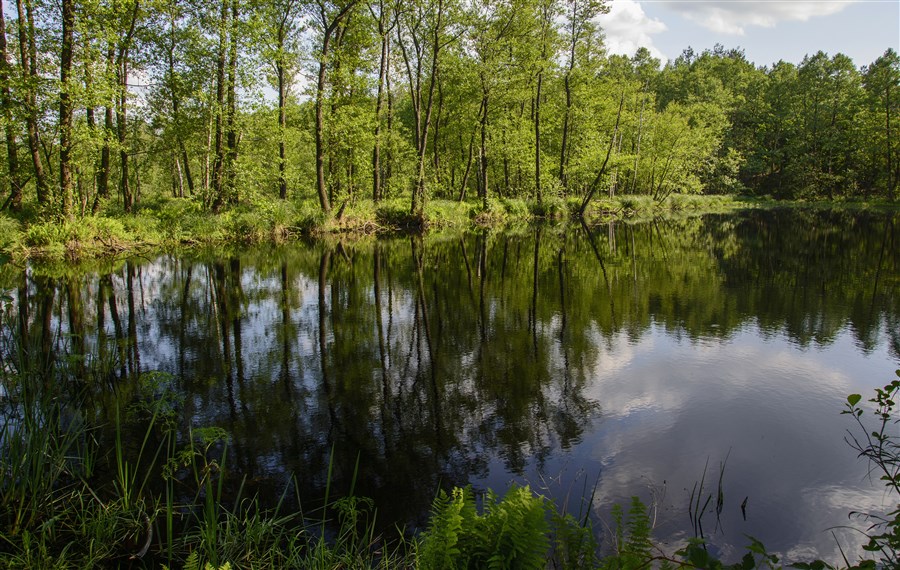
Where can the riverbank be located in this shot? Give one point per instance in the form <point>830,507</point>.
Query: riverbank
<point>172,223</point>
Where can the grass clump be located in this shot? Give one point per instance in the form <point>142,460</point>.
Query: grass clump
<point>9,231</point>
<point>87,237</point>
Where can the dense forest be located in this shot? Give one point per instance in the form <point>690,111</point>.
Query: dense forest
<point>106,103</point>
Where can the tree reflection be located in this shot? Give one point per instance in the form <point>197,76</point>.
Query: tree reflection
<point>429,359</point>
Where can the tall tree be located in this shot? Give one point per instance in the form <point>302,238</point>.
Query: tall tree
<point>219,167</point>
<point>231,129</point>
<point>282,26</point>
<point>65,109</point>
<point>385,16</point>
<point>31,77</point>
<point>16,182</point>
<point>129,19</point>
<point>547,12</point>
<point>423,28</point>
<point>328,17</point>
<point>580,32</point>
<point>882,81</point>
<point>493,26</point>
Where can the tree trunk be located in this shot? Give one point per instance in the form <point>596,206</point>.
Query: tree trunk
<point>65,109</point>
<point>612,141</point>
<point>483,171</point>
<point>563,153</point>
<point>218,174</point>
<point>176,113</point>
<point>379,100</point>
<point>282,122</point>
<point>122,60</point>
<point>437,132</point>
<point>108,133</point>
<point>122,126</point>
<point>28,61</point>
<point>12,156</point>
<point>637,152</point>
<point>328,30</point>
<point>465,179</point>
<point>537,138</point>
<point>231,134</point>
<point>418,197</point>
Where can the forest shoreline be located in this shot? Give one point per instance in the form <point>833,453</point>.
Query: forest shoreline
<point>180,224</point>
<point>171,224</point>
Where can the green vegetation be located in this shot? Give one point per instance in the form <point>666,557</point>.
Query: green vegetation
<point>422,113</point>
<point>172,223</point>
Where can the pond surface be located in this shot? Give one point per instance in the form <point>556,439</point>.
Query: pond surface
<point>630,356</point>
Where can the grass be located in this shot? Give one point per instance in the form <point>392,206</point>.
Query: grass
<point>165,223</point>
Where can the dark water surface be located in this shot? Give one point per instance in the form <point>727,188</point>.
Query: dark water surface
<point>626,355</point>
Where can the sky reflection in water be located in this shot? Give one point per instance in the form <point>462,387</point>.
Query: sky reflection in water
<point>629,355</point>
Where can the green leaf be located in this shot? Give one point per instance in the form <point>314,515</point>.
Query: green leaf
<point>853,399</point>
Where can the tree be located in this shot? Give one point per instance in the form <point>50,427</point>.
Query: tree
<point>581,39</point>
<point>281,20</point>
<point>547,12</point>
<point>65,109</point>
<point>422,26</point>
<point>16,183</point>
<point>493,25</point>
<point>328,16</point>
<point>881,81</point>
<point>30,77</point>
<point>386,18</point>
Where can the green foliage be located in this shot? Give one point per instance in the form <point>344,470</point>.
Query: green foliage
<point>880,445</point>
<point>9,231</point>
<point>509,533</point>
<point>631,539</point>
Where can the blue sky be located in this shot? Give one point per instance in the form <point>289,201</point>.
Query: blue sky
<point>766,30</point>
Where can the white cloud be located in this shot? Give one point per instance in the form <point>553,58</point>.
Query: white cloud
<point>732,17</point>
<point>627,28</point>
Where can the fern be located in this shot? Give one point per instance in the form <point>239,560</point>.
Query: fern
<point>574,544</point>
<point>638,544</point>
<point>511,533</point>
<point>519,525</point>
<point>440,542</point>
<point>632,539</point>
<point>193,561</point>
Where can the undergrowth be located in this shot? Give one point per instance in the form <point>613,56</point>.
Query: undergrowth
<point>163,222</point>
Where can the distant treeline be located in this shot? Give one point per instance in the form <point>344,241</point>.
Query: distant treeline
<point>108,102</point>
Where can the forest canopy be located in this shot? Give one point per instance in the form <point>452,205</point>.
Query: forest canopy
<point>108,102</point>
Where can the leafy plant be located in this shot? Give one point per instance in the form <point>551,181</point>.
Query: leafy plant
<point>630,540</point>
<point>510,533</point>
<point>880,445</point>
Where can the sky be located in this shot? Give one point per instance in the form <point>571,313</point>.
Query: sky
<point>767,30</point>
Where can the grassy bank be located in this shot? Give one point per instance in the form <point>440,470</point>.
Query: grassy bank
<point>170,223</point>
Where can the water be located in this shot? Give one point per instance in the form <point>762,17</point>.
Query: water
<point>632,357</point>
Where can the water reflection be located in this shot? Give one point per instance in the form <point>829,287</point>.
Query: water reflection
<point>632,353</point>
